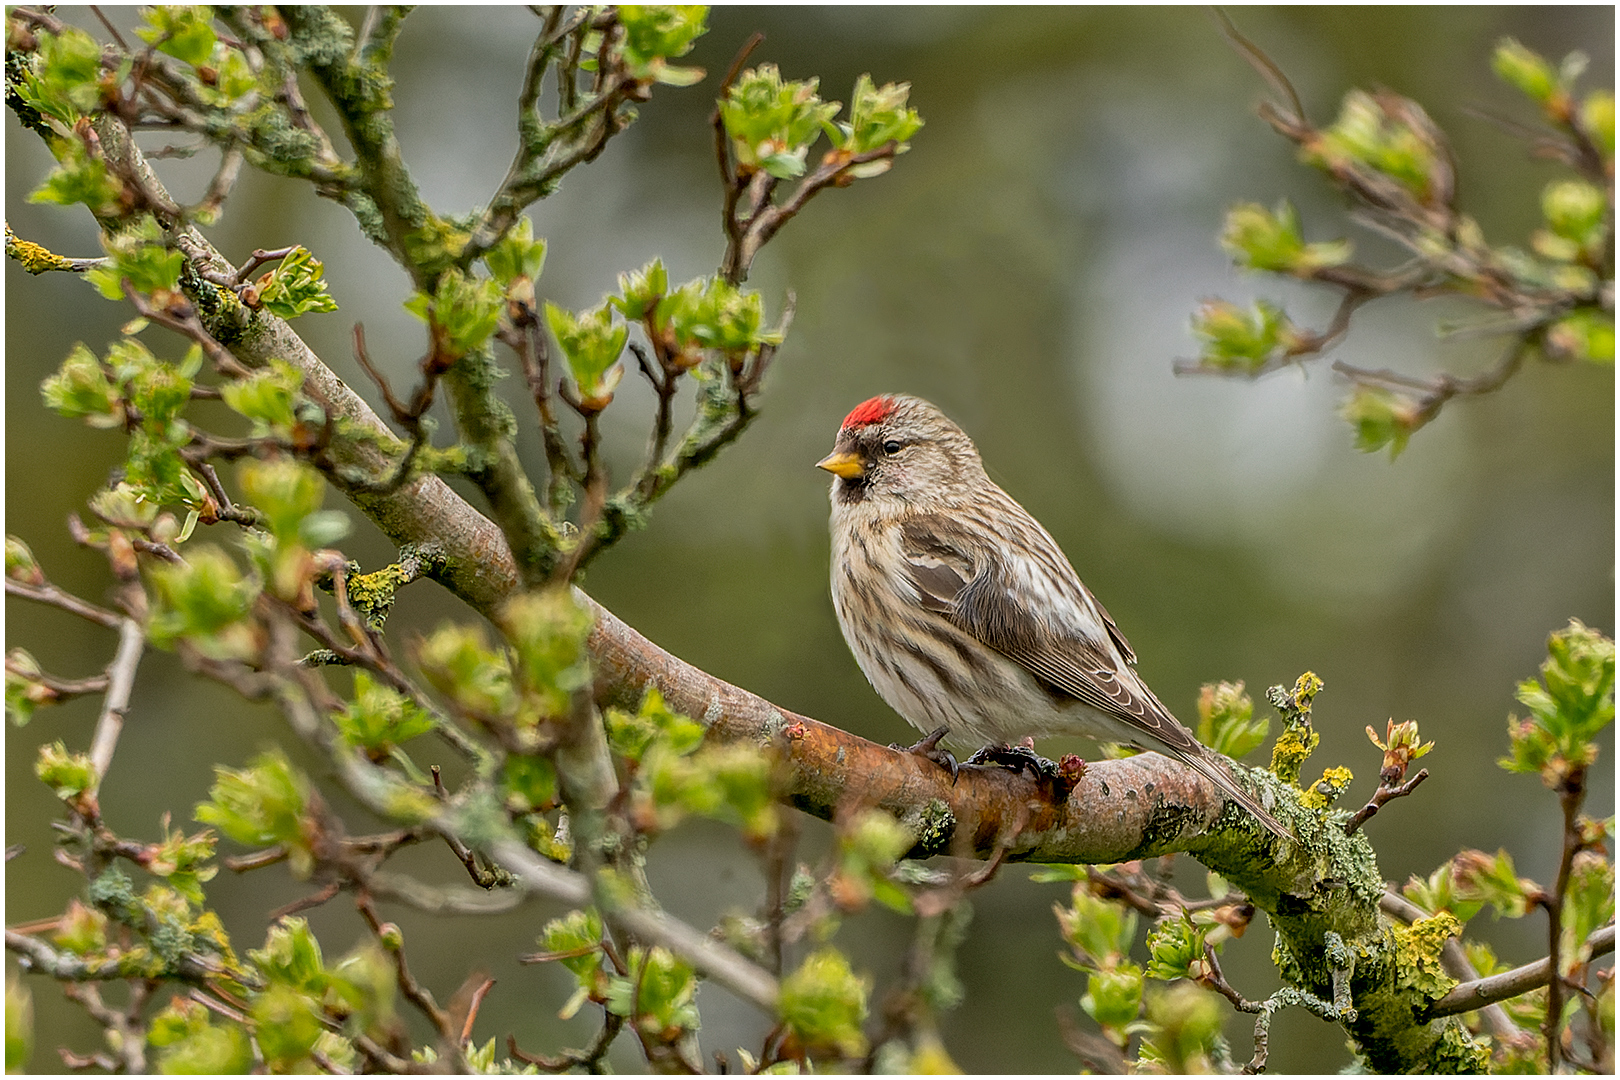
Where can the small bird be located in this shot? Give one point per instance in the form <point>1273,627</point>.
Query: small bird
<point>963,611</point>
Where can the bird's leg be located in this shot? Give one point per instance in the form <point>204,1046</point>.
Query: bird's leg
<point>928,747</point>
<point>1016,758</point>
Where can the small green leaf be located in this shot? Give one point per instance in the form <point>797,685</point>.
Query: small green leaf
<point>80,387</point>
<point>1525,70</point>
<point>80,178</point>
<point>69,775</point>
<point>772,123</point>
<point>517,254</point>
<point>465,311</point>
<point>380,718</point>
<point>1270,240</point>
<point>640,290</point>
<point>1226,722</point>
<point>184,32</point>
<point>1382,418</point>
<point>268,397</point>
<point>458,663</point>
<point>655,34</point>
<point>262,805</point>
<point>1177,950</point>
<point>591,345</point>
<point>138,254</point>
<point>547,632</point>
<point>1584,334</point>
<point>877,115</point>
<point>295,286</point>
<point>1244,341</point>
<point>823,1003</point>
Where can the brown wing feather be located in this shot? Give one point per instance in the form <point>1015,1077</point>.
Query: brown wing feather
<point>940,566</point>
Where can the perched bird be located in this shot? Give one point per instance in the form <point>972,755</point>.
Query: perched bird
<point>964,613</point>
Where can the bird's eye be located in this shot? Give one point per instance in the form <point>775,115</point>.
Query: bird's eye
<point>891,447</point>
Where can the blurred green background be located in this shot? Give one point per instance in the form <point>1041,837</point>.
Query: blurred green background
<point>1030,266</point>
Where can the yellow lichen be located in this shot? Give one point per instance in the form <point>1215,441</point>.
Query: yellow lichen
<point>1321,795</point>
<point>1417,954</point>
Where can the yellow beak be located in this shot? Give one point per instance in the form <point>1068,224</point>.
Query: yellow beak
<point>842,464</point>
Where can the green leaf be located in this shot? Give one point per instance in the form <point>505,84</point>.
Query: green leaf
<point>877,115</point>
<point>465,311</point>
<point>1113,997</point>
<point>1584,334</point>
<point>1525,70</point>
<point>1597,121</point>
<point>295,286</point>
<point>458,662</point>
<point>547,632</point>
<point>577,932</point>
<point>139,255</point>
<point>656,34</point>
<point>1374,133</point>
<point>1100,931</point>
<point>591,345</point>
<point>190,1043</point>
<point>81,178</point>
<point>1238,340</point>
<point>1177,949</point>
<point>640,290</point>
<point>517,254</point>
<point>1486,879</point>
<point>286,1025</point>
<point>1226,722</point>
<point>268,397</point>
<point>80,387</point>
<point>69,775</point>
<point>19,1025</point>
<point>285,491</point>
<point>184,32</point>
<point>632,735</point>
<point>66,79</point>
<point>380,718</point>
<point>658,991</point>
<point>1437,894</point>
<point>1382,418</point>
<point>530,782</point>
<point>1571,705</point>
<point>24,691</point>
<point>1261,239</point>
<point>823,1003</point>
<point>262,805</point>
<point>772,123</point>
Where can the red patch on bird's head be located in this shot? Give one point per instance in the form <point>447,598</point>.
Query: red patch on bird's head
<point>871,411</point>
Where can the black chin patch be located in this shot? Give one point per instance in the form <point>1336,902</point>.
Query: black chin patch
<point>852,491</point>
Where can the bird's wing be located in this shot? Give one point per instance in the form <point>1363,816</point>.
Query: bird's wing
<point>1069,653</point>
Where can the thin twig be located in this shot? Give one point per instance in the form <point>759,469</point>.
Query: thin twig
<point>120,683</point>
<point>1383,795</point>
<point>1510,984</point>
<point>58,598</point>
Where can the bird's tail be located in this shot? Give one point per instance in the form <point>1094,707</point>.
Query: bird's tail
<point>1222,778</point>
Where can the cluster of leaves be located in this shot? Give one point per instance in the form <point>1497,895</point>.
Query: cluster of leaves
<point>773,123</point>
<point>1177,1026</point>
<point>1388,155</point>
<point>674,774</point>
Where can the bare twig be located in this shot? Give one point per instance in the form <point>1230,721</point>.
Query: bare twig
<point>1383,795</point>
<point>1510,984</point>
<point>58,598</point>
<point>120,683</point>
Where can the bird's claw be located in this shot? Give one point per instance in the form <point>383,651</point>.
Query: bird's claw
<point>928,747</point>
<point>1017,759</point>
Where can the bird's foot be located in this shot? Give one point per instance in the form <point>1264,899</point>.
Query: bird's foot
<point>928,747</point>
<point>1020,758</point>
